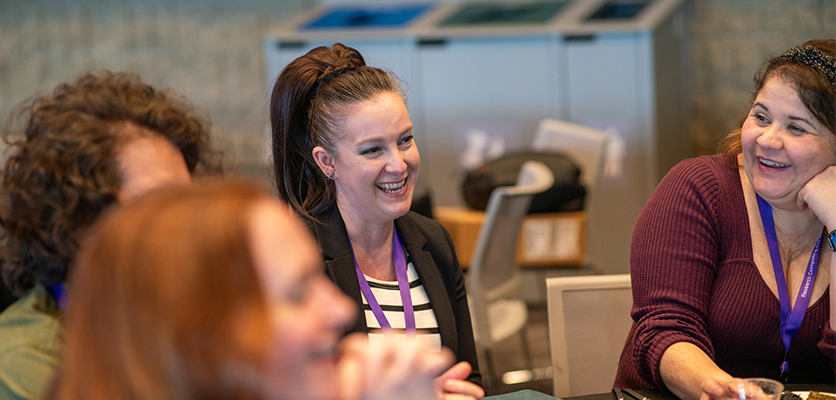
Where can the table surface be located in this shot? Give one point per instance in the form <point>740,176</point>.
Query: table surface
<point>650,394</point>
<point>659,395</point>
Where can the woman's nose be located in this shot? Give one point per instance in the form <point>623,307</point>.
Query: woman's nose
<point>396,162</point>
<point>771,137</point>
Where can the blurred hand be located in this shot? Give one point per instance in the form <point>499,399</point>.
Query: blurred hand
<point>712,390</point>
<point>396,368</point>
<point>452,385</point>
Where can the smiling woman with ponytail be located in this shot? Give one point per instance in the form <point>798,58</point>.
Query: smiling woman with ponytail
<point>344,157</point>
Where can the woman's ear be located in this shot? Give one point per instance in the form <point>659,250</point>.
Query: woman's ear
<point>324,160</point>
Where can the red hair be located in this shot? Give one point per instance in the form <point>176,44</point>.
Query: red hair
<point>165,302</point>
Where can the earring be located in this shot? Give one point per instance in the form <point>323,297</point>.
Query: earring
<point>331,175</point>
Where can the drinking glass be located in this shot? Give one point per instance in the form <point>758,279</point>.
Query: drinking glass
<point>753,388</point>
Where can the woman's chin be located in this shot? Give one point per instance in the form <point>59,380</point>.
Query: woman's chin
<point>400,212</point>
<point>398,208</point>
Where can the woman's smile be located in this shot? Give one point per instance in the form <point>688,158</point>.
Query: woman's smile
<point>393,188</point>
<point>771,164</point>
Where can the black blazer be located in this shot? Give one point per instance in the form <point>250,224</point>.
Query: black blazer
<point>432,254</point>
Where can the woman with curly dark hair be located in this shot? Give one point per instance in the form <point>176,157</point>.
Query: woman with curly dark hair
<point>105,139</point>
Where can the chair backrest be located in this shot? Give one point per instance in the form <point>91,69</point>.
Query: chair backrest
<point>589,320</point>
<point>493,273</point>
<point>586,146</point>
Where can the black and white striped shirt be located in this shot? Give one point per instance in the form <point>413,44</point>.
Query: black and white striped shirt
<point>389,298</point>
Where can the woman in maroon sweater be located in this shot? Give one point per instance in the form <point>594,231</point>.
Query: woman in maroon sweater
<point>733,253</point>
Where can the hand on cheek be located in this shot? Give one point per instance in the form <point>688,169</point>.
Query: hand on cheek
<point>819,195</point>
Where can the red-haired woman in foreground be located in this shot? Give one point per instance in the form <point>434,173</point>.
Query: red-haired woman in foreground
<point>217,291</point>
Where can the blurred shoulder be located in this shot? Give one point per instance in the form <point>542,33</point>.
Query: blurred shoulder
<point>31,345</point>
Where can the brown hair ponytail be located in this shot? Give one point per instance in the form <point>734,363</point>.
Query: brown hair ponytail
<point>310,98</point>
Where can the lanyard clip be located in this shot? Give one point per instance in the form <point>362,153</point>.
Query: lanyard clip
<point>785,369</point>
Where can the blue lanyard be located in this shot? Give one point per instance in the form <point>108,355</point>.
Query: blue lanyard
<point>790,319</point>
<point>60,294</point>
<point>403,286</point>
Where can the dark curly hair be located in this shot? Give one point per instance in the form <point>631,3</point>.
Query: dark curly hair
<point>62,172</point>
<point>309,100</point>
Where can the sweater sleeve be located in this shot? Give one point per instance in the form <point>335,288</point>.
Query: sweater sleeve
<point>673,264</point>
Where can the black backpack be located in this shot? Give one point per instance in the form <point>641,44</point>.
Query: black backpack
<point>567,194</point>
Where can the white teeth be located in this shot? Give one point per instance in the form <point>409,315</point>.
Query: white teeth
<point>392,187</point>
<point>772,163</point>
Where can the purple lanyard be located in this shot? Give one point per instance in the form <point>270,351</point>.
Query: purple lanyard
<point>790,319</point>
<point>403,287</point>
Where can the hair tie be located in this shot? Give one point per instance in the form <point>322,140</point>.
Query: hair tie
<point>320,82</point>
<point>814,58</point>
<point>327,77</point>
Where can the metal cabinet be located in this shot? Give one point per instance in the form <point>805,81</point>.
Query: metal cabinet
<point>501,85</point>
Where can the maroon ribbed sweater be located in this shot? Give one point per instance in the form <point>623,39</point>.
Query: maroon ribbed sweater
<point>694,280</point>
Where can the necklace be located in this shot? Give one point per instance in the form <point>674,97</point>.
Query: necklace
<point>790,318</point>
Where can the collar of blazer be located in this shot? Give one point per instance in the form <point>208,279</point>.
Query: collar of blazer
<point>332,237</point>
